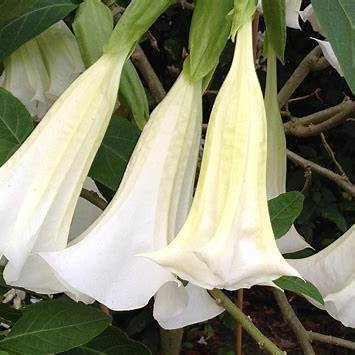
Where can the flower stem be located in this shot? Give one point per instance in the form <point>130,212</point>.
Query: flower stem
<point>246,323</point>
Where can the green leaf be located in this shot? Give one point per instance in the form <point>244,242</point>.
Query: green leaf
<point>337,19</point>
<point>133,95</point>
<point>297,285</point>
<point>22,20</point>
<point>209,32</point>
<point>114,153</point>
<point>112,341</point>
<point>274,16</point>
<point>15,124</point>
<point>284,209</point>
<point>92,26</point>
<point>54,326</point>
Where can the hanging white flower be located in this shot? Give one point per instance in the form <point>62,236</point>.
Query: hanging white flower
<point>332,271</point>
<point>40,70</point>
<point>227,240</point>
<point>26,77</point>
<point>41,182</point>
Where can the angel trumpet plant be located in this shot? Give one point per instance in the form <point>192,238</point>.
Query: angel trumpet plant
<point>147,211</point>
<point>227,240</point>
<point>276,154</point>
<point>332,271</point>
<point>40,70</point>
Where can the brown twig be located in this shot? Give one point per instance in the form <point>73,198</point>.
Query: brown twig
<point>321,121</point>
<point>332,156</point>
<point>239,328</point>
<point>305,97</point>
<point>312,62</point>
<point>141,61</point>
<point>186,5</point>
<point>94,198</point>
<point>329,339</point>
<point>338,179</point>
<point>294,323</point>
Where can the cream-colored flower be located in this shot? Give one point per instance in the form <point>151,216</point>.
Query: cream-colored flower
<point>227,240</point>
<point>147,211</point>
<point>332,271</point>
<point>276,155</point>
<point>40,70</point>
<point>26,77</point>
<point>62,58</point>
<point>41,182</point>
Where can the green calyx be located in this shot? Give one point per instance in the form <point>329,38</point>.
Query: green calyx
<point>242,12</point>
<point>135,21</point>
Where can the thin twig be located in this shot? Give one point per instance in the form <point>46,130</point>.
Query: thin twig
<point>94,198</point>
<point>329,339</point>
<point>332,156</point>
<point>294,323</point>
<point>247,324</point>
<point>141,61</point>
<point>239,328</point>
<point>331,175</point>
<point>312,62</point>
<point>305,97</point>
<point>305,127</point>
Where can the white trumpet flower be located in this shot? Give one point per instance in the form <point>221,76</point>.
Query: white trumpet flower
<point>147,211</point>
<point>41,182</point>
<point>308,14</point>
<point>62,58</point>
<point>40,70</point>
<point>26,77</point>
<point>227,240</point>
<point>276,155</point>
<point>332,271</point>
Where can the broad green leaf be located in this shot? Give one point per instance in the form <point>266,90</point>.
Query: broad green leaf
<point>337,19</point>
<point>274,16</point>
<point>297,285</point>
<point>209,32</point>
<point>92,26</point>
<point>283,210</point>
<point>111,342</point>
<point>114,153</point>
<point>133,95</point>
<point>22,20</point>
<point>15,124</point>
<point>54,326</point>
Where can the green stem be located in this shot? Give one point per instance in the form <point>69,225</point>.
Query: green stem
<point>245,322</point>
<point>170,341</point>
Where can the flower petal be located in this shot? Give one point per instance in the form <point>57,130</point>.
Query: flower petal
<point>177,306</point>
<point>332,271</point>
